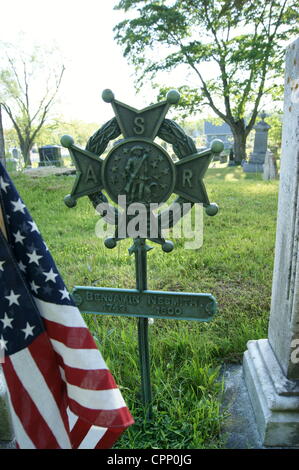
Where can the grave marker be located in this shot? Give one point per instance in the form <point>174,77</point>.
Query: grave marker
<point>257,157</point>
<point>271,366</point>
<point>139,171</point>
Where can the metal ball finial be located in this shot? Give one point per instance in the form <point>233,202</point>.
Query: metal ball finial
<point>173,97</point>
<point>167,246</point>
<point>70,201</point>
<point>67,141</point>
<point>217,146</point>
<point>110,243</point>
<point>108,96</point>
<point>212,209</point>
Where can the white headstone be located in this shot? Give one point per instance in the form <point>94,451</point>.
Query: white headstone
<point>270,169</point>
<point>271,366</point>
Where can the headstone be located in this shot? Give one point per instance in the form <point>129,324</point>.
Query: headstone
<point>231,161</point>
<point>50,155</point>
<point>271,366</point>
<point>15,153</point>
<point>257,157</point>
<point>270,167</point>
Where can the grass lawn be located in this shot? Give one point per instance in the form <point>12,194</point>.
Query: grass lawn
<point>234,264</point>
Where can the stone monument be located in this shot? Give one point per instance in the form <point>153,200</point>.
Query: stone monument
<point>270,167</point>
<point>257,157</point>
<point>271,366</point>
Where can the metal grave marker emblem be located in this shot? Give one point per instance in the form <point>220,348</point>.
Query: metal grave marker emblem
<point>139,171</point>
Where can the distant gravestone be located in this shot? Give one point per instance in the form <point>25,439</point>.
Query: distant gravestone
<point>270,167</point>
<point>257,157</point>
<point>271,366</point>
<point>231,161</point>
<point>15,153</point>
<point>222,132</point>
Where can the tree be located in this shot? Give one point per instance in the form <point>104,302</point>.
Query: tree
<point>274,119</point>
<point>25,100</point>
<point>2,142</point>
<point>244,39</point>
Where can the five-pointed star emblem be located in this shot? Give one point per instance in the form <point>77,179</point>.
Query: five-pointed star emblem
<point>65,294</point>
<point>33,226</point>
<point>22,266</point>
<point>18,206</point>
<point>50,276</point>
<point>34,257</point>
<point>34,287</point>
<point>28,330</point>
<point>3,184</point>
<point>3,343</point>
<point>6,321</point>
<point>13,298</point>
<point>139,129</point>
<point>19,237</point>
<point>141,124</point>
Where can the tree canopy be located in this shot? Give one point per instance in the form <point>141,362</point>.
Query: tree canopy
<point>245,41</point>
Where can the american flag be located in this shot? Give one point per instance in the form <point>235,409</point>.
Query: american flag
<point>60,391</point>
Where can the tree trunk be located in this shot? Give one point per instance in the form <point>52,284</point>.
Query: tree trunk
<point>239,133</point>
<point>2,142</point>
<point>25,149</point>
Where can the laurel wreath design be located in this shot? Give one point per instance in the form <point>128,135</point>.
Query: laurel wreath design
<point>170,132</point>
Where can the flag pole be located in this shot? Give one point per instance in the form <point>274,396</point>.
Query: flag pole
<point>2,223</point>
<point>140,249</point>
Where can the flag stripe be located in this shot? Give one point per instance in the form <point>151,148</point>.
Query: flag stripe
<point>76,337</point>
<point>79,431</point>
<point>99,399</point>
<point>103,418</point>
<point>92,438</point>
<point>87,359</point>
<point>20,432</point>
<point>109,438</point>
<point>66,315</point>
<point>45,359</point>
<point>72,418</point>
<point>90,379</point>
<point>85,437</point>
<point>36,386</point>
<point>28,413</point>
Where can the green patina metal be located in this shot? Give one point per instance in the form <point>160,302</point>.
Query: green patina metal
<point>149,304</point>
<point>138,170</point>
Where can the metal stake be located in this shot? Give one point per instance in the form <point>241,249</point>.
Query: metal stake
<point>140,250</point>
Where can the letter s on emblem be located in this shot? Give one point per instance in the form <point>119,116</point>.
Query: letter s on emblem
<point>139,125</point>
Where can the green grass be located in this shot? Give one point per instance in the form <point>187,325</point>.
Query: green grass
<point>234,264</point>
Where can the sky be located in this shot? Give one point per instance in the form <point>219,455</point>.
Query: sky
<point>83,32</point>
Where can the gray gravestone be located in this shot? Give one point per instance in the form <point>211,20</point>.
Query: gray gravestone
<point>270,168</point>
<point>257,157</point>
<point>271,366</point>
